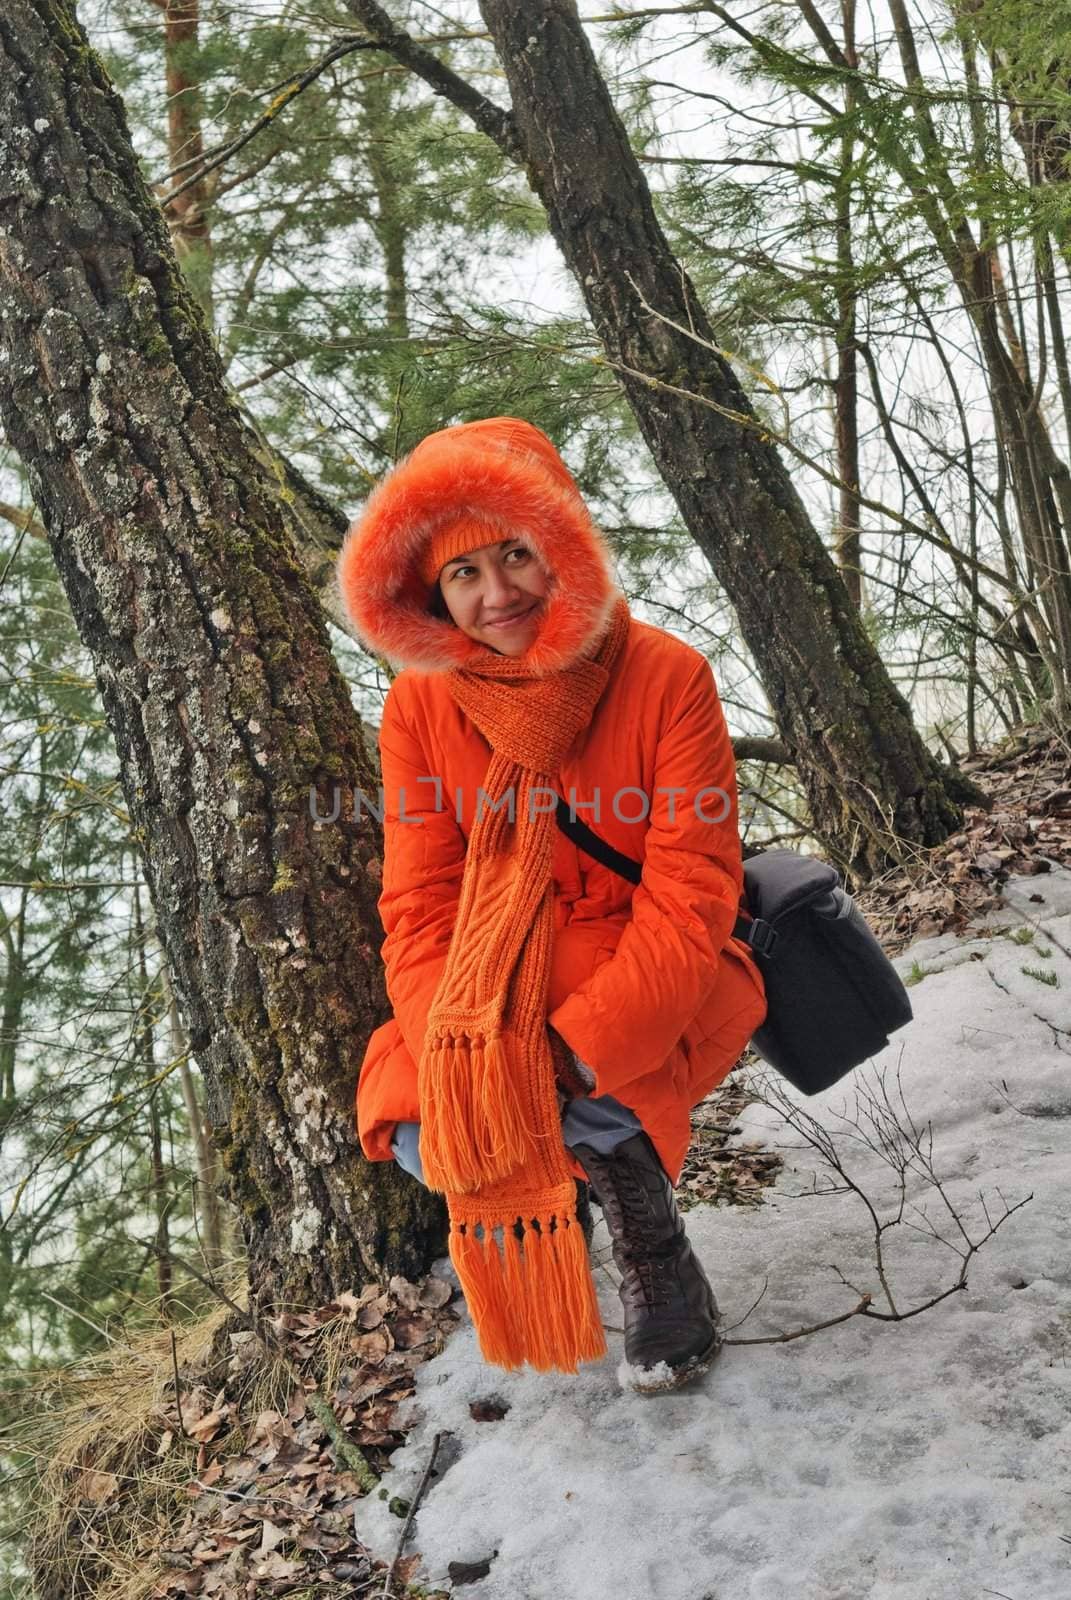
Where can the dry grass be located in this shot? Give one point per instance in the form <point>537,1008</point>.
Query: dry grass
<point>103,1500</point>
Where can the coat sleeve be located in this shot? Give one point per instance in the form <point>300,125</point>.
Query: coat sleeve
<point>624,1019</point>
<point>423,862</point>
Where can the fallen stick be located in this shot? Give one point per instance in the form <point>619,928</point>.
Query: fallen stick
<point>410,1514</point>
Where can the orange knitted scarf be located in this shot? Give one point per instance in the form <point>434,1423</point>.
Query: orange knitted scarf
<point>490,1125</point>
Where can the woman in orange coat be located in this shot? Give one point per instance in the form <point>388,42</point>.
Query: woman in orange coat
<point>552,1020</point>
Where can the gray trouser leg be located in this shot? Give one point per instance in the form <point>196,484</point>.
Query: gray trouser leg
<point>601,1122</point>
<point>406,1147</point>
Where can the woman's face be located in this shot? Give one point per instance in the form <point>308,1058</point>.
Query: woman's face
<point>497,595</point>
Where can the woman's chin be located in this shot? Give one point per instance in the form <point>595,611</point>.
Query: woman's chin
<point>511,647</point>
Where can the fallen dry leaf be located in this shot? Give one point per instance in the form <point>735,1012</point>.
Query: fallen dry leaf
<point>493,1409</point>
<point>208,1426</point>
<point>96,1486</point>
<point>277,1566</point>
<point>372,1346</point>
<point>435,1293</point>
<point>409,1331</point>
<point>271,1535</point>
<point>407,1294</point>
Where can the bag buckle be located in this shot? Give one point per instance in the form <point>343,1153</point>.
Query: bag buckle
<point>762,936</point>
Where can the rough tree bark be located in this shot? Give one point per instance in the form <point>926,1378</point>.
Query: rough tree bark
<point>869,778</point>
<point>214,666</point>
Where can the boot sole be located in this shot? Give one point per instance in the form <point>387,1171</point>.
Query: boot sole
<point>663,1379</point>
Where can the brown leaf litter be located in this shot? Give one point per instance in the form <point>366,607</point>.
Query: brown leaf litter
<point>716,1172</point>
<point>1025,829</point>
<point>270,1503</point>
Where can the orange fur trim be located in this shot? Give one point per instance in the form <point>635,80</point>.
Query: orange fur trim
<point>503,471</point>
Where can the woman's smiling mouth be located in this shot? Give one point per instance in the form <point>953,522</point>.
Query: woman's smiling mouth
<point>518,616</point>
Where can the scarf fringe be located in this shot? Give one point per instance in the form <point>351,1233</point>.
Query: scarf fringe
<point>472,1128</point>
<point>532,1299</point>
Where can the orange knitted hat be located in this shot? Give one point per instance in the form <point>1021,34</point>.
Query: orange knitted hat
<point>455,539</point>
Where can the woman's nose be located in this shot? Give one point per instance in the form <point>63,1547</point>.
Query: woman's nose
<point>500,587</point>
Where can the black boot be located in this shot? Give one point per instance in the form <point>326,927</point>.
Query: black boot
<point>671,1315</point>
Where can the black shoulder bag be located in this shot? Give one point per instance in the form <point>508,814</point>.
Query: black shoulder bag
<point>832,995</point>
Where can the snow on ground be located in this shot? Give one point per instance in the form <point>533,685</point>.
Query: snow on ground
<point>928,1459</point>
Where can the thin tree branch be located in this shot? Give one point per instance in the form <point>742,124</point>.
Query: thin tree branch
<point>22,519</point>
<point>755,748</point>
<point>291,91</point>
<point>410,1514</point>
<point>489,118</point>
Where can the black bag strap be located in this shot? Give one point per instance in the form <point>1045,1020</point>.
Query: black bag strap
<point>582,836</point>
<point>761,936</point>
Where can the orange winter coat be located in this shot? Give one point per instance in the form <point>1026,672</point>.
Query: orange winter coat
<point>646,984</point>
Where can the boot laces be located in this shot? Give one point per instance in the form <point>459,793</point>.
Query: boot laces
<point>649,1264</point>
<point>656,1278</point>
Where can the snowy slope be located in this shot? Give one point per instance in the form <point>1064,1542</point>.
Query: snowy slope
<point>928,1459</point>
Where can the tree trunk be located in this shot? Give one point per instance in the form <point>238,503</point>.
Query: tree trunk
<point>145,1053</point>
<point>15,999</point>
<point>868,776</point>
<point>214,667</point>
<point>188,213</point>
<point>846,386</point>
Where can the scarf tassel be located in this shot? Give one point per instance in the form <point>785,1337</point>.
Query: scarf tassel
<point>531,1299</point>
<point>472,1128</point>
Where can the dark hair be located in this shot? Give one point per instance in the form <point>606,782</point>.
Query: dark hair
<point>437,605</point>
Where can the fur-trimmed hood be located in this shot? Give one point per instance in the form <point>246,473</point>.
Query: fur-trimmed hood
<point>506,472</point>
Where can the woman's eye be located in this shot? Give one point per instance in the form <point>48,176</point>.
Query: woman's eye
<point>519,550</point>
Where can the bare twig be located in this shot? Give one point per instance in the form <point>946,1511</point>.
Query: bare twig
<point>802,1333</point>
<point>752,1307</point>
<point>178,1385</point>
<point>410,1514</point>
<point>344,47</point>
<point>71,1312</point>
<point>887,1129</point>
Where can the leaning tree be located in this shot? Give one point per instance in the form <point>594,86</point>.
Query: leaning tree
<point>870,780</point>
<point>212,657</point>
